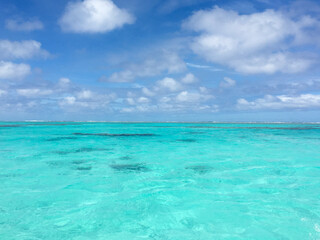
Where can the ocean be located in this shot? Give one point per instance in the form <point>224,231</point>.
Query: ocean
<point>162,181</point>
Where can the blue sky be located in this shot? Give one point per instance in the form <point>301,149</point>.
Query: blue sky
<point>168,60</point>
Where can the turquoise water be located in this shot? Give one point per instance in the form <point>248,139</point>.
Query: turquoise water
<point>167,181</point>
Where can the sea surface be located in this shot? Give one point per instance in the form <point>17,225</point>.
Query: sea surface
<point>161,181</point>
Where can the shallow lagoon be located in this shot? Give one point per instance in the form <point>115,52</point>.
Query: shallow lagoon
<point>159,181</point>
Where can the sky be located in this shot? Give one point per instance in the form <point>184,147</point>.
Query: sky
<point>160,60</point>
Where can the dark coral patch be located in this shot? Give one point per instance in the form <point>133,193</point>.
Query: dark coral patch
<point>189,140</point>
<point>53,124</point>
<point>10,125</point>
<point>117,135</point>
<point>125,158</point>
<point>130,167</point>
<point>62,152</point>
<point>88,168</point>
<point>200,169</point>
<point>85,149</point>
<point>82,150</point>
<point>61,139</point>
<point>77,162</point>
<point>56,163</point>
<point>9,175</point>
<point>195,133</point>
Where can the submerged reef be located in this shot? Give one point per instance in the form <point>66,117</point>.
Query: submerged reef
<point>87,168</point>
<point>189,140</point>
<point>82,150</point>
<point>77,162</point>
<point>11,125</point>
<point>60,139</point>
<point>137,167</point>
<point>117,134</point>
<point>200,169</point>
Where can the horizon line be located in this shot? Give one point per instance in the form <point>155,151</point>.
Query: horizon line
<point>212,122</point>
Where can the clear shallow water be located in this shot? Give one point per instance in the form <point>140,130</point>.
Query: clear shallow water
<point>157,181</point>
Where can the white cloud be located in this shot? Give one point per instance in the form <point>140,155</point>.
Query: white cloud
<point>86,99</point>
<point>166,62</point>
<point>170,95</point>
<point>168,84</point>
<point>124,76</point>
<point>21,49</point>
<point>64,83</point>
<point>94,16</point>
<point>189,79</point>
<point>254,43</point>
<point>203,90</point>
<point>227,82</point>
<point>165,99</point>
<point>2,92</point>
<point>182,102</point>
<point>143,100</point>
<point>210,68</point>
<point>198,66</point>
<point>34,92</point>
<point>280,102</point>
<point>45,96</point>
<point>128,110</point>
<point>139,108</point>
<point>20,25</point>
<point>85,94</point>
<point>278,62</point>
<point>188,97</point>
<point>147,92</point>
<point>70,100</point>
<point>192,97</point>
<point>131,101</point>
<point>9,70</point>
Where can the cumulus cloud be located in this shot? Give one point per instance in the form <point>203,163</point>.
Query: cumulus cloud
<point>9,70</point>
<point>139,108</point>
<point>21,25</point>
<point>270,63</point>
<point>33,92</point>
<point>253,43</point>
<point>192,97</point>
<point>143,100</point>
<point>64,83</point>
<point>165,62</point>
<point>85,94</point>
<point>170,95</point>
<point>70,100</point>
<point>137,101</point>
<point>168,84</point>
<point>280,102</point>
<point>2,92</point>
<point>189,79</point>
<point>85,99</point>
<point>147,92</point>
<point>131,101</point>
<point>21,49</point>
<point>94,16</point>
<point>49,97</point>
<point>227,82</point>
<point>175,102</point>
<point>10,50</point>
